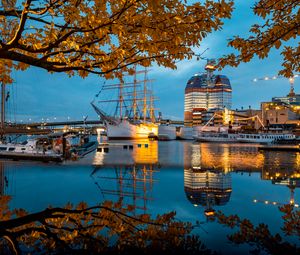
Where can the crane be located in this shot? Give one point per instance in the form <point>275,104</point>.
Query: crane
<point>291,81</point>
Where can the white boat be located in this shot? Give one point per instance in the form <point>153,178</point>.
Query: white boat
<point>265,137</point>
<point>190,133</point>
<point>222,137</point>
<point>166,132</point>
<point>32,149</point>
<point>186,133</point>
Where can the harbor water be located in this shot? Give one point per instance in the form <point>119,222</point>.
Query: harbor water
<point>158,177</point>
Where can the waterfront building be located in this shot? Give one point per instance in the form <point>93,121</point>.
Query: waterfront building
<point>291,99</point>
<point>206,92</point>
<point>281,114</point>
<point>247,117</point>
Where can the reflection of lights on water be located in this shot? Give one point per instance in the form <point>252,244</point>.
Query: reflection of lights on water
<point>226,159</point>
<point>229,158</point>
<point>196,157</point>
<point>146,128</point>
<point>298,159</point>
<point>209,212</point>
<point>136,152</point>
<point>291,202</point>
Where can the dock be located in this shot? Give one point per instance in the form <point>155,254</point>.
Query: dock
<point>33,157</point>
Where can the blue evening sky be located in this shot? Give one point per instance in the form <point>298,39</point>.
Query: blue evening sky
<point>37,94</point>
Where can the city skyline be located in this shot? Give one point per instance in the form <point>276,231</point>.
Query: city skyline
<point>36,94</point>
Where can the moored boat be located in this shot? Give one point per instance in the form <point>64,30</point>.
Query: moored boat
<point>185,133</point>
<point>166,132</point>
<point>32,149</point>
<point>264,137</point>
<point>222,137</point>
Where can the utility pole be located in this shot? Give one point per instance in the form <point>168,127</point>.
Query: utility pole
<point>2,109</point>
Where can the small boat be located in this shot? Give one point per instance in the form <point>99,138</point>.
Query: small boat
<point>79,151</point>
<point>215,137</point>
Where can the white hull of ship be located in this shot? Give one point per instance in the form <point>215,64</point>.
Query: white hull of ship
<point>186,133</point>
<point>166,132</point>
<point>126,130</point>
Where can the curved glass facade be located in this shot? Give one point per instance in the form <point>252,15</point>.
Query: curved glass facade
<point>202,92</point>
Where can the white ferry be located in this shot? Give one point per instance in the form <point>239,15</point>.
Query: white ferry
<point>264,137</point>
<point>216,137</point>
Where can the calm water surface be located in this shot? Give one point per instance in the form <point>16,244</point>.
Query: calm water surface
<point>158,177</point>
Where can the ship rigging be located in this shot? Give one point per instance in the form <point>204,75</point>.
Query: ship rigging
<point>133,115</point>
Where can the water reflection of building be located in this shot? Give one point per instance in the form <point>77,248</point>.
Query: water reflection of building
<point>207,167</point>
<point>223,157</point>
<point>204,186</point>
<point>283,169</point>
<point>207,187</point>
<point>126,172</point>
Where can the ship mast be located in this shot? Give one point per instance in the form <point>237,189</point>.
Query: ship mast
<point>145,96</point>
<point>121,98</point>
<point>134,104</point>
<point>152,117</point>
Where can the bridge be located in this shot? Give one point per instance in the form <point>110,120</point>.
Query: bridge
<point>47,127</point>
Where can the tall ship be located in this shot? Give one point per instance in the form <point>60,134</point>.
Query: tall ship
<point>133,110</point>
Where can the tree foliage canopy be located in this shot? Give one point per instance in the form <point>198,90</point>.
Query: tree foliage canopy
<point>260,236</point>
<point>280,28</point>
<point>103,37</point>
<point>104,229</point>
